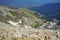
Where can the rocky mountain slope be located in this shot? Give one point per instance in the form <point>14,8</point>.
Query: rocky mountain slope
<point>21,17</point>
<point>25,24</point>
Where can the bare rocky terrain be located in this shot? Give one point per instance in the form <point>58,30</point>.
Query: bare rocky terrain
<point>24,24</point>
<point>14,33</point>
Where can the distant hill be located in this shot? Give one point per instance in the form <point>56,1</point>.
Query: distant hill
<point>49,10</point>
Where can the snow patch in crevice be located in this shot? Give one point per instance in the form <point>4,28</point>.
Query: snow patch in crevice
<point>15,23</point>
<point>26,26</point>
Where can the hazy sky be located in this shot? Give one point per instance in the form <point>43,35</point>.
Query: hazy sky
<point>26,2</point>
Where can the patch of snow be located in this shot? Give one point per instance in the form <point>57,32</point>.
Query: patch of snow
<point>26,26</point>
<point>13,23</point>
<point>20,21</point>
<point>52,24</point>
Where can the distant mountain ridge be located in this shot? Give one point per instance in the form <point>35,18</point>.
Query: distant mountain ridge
<point>49,10</point>
<point>26,3</point>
